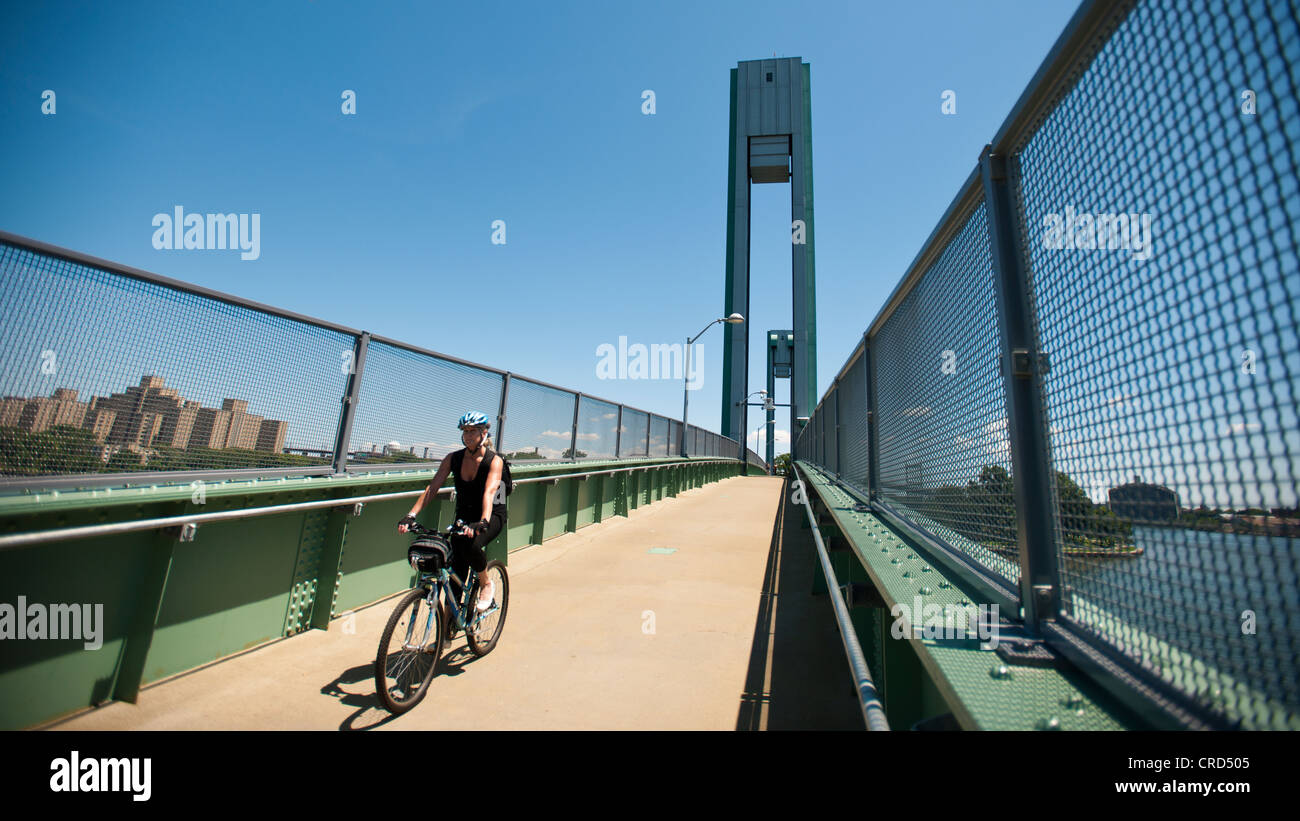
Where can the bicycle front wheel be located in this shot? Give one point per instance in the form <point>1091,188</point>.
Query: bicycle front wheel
<point>408,652</point>
<point>487,624</point>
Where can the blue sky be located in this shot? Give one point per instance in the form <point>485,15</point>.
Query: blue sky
<point>616,221</point>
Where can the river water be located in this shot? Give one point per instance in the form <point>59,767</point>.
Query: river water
<point>1196,590</point>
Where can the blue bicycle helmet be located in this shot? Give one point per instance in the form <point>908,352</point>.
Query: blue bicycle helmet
<point>474,419</point>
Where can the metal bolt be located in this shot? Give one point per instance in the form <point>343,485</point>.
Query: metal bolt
<point>1001,672</point>
<point>1049,723</point>
<point>945,584</point>
<point>1074,702</point>
<point>925,591</point>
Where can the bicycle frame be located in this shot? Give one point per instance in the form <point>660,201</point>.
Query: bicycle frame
<point>439,587</point>
<point>439,582</point>
<point>465,587</point>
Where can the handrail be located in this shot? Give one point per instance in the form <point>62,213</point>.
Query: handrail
<point>89,531</point>
<point>873,712</point>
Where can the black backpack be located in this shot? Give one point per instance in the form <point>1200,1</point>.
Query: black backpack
<point>507,483</point>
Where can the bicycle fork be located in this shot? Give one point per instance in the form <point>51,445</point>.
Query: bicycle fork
<point>428,626</point>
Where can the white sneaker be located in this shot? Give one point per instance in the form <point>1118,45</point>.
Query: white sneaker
<point>485,603</point>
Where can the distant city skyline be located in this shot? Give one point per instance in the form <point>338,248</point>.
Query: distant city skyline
<point>147,416</point>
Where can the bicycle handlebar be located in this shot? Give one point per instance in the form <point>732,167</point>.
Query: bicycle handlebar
<point>416,527</point>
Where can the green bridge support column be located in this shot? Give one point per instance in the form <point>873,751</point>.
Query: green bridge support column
<point>903,679</point>
<point>330,570</point>
<point>575,494</point>
<point>129,674</point>
<point>541,490</point>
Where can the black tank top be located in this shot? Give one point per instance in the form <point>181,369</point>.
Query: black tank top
<point>469,494</point>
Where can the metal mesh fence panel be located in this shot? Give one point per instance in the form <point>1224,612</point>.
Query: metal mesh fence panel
<point>853,424</point>
<point>944,456</point>
<point>597,429</point>
<point>659,439</point>
<point>813,455</point>
<point>1162,241</point>
<point>832,431</point>
<point>632,443</point>
<point>539,421</point>
<point>106,373</point>
<point>820,435</point>
<point>410,402</point>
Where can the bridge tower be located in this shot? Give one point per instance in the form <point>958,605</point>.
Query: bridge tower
<point>770,142</point>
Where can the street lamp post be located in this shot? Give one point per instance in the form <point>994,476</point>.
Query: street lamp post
<point>768,405</point>
<point>756,430</point>
<point>686,391</point>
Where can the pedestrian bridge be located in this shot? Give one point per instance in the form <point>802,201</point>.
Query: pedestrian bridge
<point>1071,427</point>
<point>695,612</point>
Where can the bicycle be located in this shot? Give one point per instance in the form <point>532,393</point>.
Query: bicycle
<point>429,615</point>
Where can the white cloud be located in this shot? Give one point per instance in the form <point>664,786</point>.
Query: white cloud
<point>1240,427</point>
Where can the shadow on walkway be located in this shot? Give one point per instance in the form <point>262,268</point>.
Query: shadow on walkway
<point>798,675</point>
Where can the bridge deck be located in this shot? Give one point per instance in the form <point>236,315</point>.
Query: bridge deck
<point>739,642</point>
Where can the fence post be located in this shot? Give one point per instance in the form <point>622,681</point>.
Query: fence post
<point>835,392</point>
<point>344,433</point>
<point>501,413</point>
<point>1023,368</point>
<point>873,449</point>
<point>573,434</point>
<point>618,432</point>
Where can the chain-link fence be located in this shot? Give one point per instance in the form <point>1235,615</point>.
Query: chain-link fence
<point>1089,375</point>
<point>110,375</point>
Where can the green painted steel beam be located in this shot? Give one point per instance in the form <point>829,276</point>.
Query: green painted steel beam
<point>964,675</point>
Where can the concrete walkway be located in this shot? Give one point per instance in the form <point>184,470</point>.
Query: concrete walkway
<point>720,634</point>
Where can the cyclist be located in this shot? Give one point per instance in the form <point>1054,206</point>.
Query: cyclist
<point>480,499</point>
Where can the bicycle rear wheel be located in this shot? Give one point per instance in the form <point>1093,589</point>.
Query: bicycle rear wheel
<point>408,653</point>
<point>487,625</point>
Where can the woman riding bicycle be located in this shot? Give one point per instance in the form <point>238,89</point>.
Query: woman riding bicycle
<point>480,499</point>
